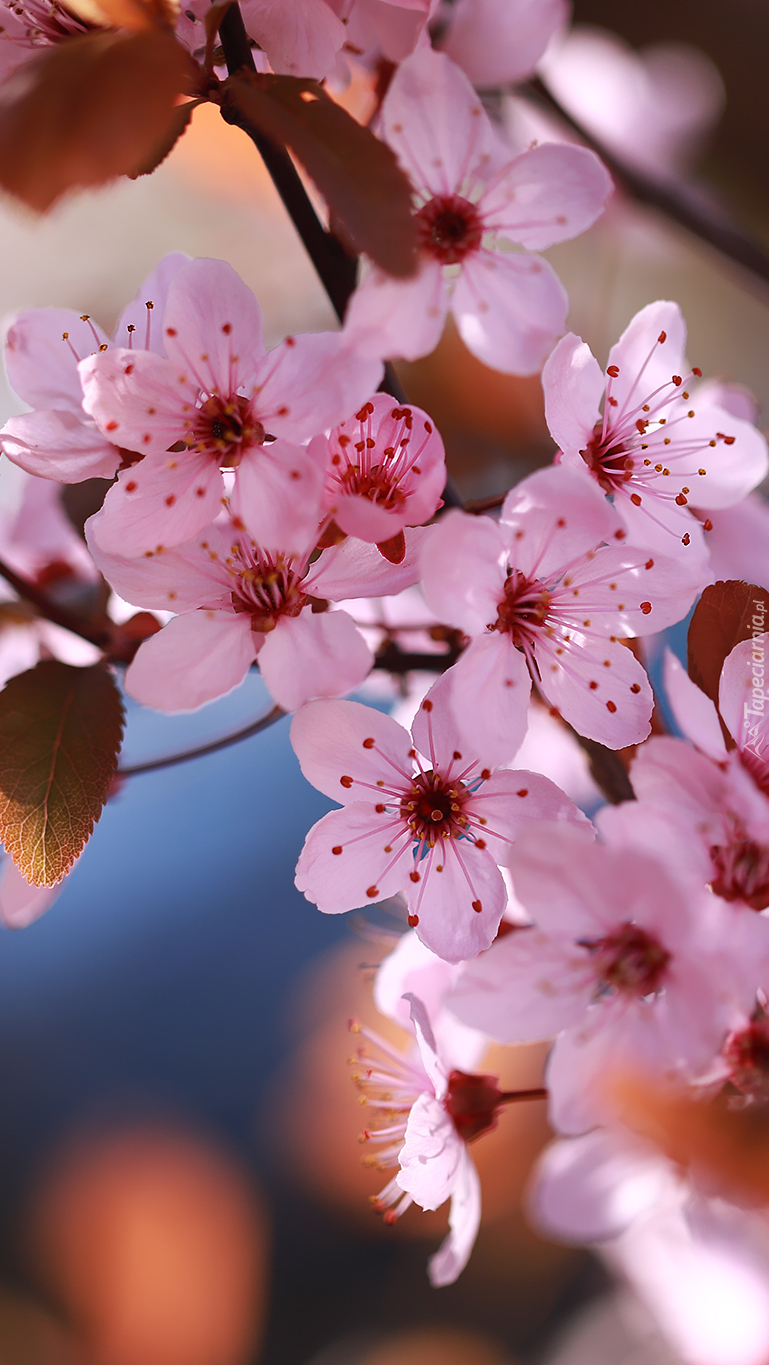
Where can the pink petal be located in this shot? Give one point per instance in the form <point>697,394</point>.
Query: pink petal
<point>694,713</point>
<point>553,517</point>
<point>639,349</point>
<point>434,729</point>
<point>600,689</point>
<point>630,592</point>
<point>668,773</point>
<point>312,382</point>
<point>357,569</point>
<point>428,1048</point>
<point>454,878</point>
<point>317,654</point>
<point>431,1154</point>
<point>330,739</point>
<point>366,868</point>
<point>195,658</point>
<point>501,44</point>
<point>41,366</point>
<point>739,541</point>
<point>158,503</point>
<point>277,496</point>
<point>20,902</point>
<point>548,194</point>
<point>400,318</point>
<point>510,800</point>
<point>665,527</point>
<point>359,516</point>
<point>213,327</point>
<point>463,573</point>
<point>591,1188</point>
<point>526,988</point>
<point>510,309</point>
<point>300,39</point>
<point>147,323</point>
<point>491,687</point>
<point>138,400</point>
<point>573,385</point>
<point>464,1221</point>
<point>59,444</point>
<point>733,470</point>
<point>173,580</point>
<point>436,124</point>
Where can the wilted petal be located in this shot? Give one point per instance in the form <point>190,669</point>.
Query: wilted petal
<point>464,1220</point>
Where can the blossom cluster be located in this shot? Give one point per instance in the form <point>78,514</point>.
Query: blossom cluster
<point>258,499</point>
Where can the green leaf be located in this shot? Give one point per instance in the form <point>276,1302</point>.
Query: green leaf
<point>722,618</point>
<point>60,734</point>
<point>357,174</point>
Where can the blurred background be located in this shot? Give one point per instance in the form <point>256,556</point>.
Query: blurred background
<point>179,1177</point>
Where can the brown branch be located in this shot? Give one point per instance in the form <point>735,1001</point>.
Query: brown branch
<point>674,199</point>
<point>170,761</point>
<point>58,615</point>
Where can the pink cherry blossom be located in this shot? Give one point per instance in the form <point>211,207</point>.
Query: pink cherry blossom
<point>385,470</point>
<point>435,829</point>
<point>427,1114</point>
<point>216,401</point>
<point>32,24</point>
<point>471,199</point>
<point>626,965</point>
<point>711,815</point>
<point>542,598</point>
<point>377,29</point>
<point>58,439</point>
<point>296,37</point>
<point>659,449</point>
<point>238,602</point>
<point>741,704</point>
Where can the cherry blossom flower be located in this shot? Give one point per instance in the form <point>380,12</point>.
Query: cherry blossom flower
<point>293,37</point>
<point>711,816</point>
<point>385,470</point>
<point>429,1113</point>
<point>238,601</point>
<point>58,439</point>
<point>471,202</point>
<point>436,829</point>
<point>658,449</point>
<point>383,29</point>
<point>699,1265</point>
<point>540,597</point>
<point>32,24</point>
<point>216,401</point>
<point>626,965</point>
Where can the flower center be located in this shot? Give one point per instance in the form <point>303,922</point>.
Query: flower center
<point>742,872</point>
<point>226,428</point>
<point>433,808</point>
<point>47,22</point>
<point>473,1103</point>
<point>747,1056</point>
<point>612,465</point>
<point>631,961</point>
<point>523,610</point>
<point>265,588</point>
<point>449,228</point>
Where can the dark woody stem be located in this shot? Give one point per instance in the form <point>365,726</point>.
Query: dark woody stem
<point>672,198</point>
<point>337,268</point>
<point>60,616</point>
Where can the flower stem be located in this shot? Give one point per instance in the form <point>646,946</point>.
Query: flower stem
<point>60,616</point>
<point>539,1092</point>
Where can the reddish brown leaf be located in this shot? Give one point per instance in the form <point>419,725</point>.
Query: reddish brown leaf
<point>88,110</point>
<point>356,173</point>
<point>60,733</point>
<point>177,124</point>
<point>722,618</point>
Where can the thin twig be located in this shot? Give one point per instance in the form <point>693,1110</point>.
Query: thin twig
<point>675,200</point>
<point>171,760</point>
<point>60,616</point>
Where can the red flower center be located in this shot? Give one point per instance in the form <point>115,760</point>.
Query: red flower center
<point>433,808</point>
<point>226,428</point>
<point>631,961</point>
<point>473,1103</point>
<point>747,1055</point>
<point>266,590</point>
<point>742,872</point>
<point>523,610</point>
<point>449,227</point>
